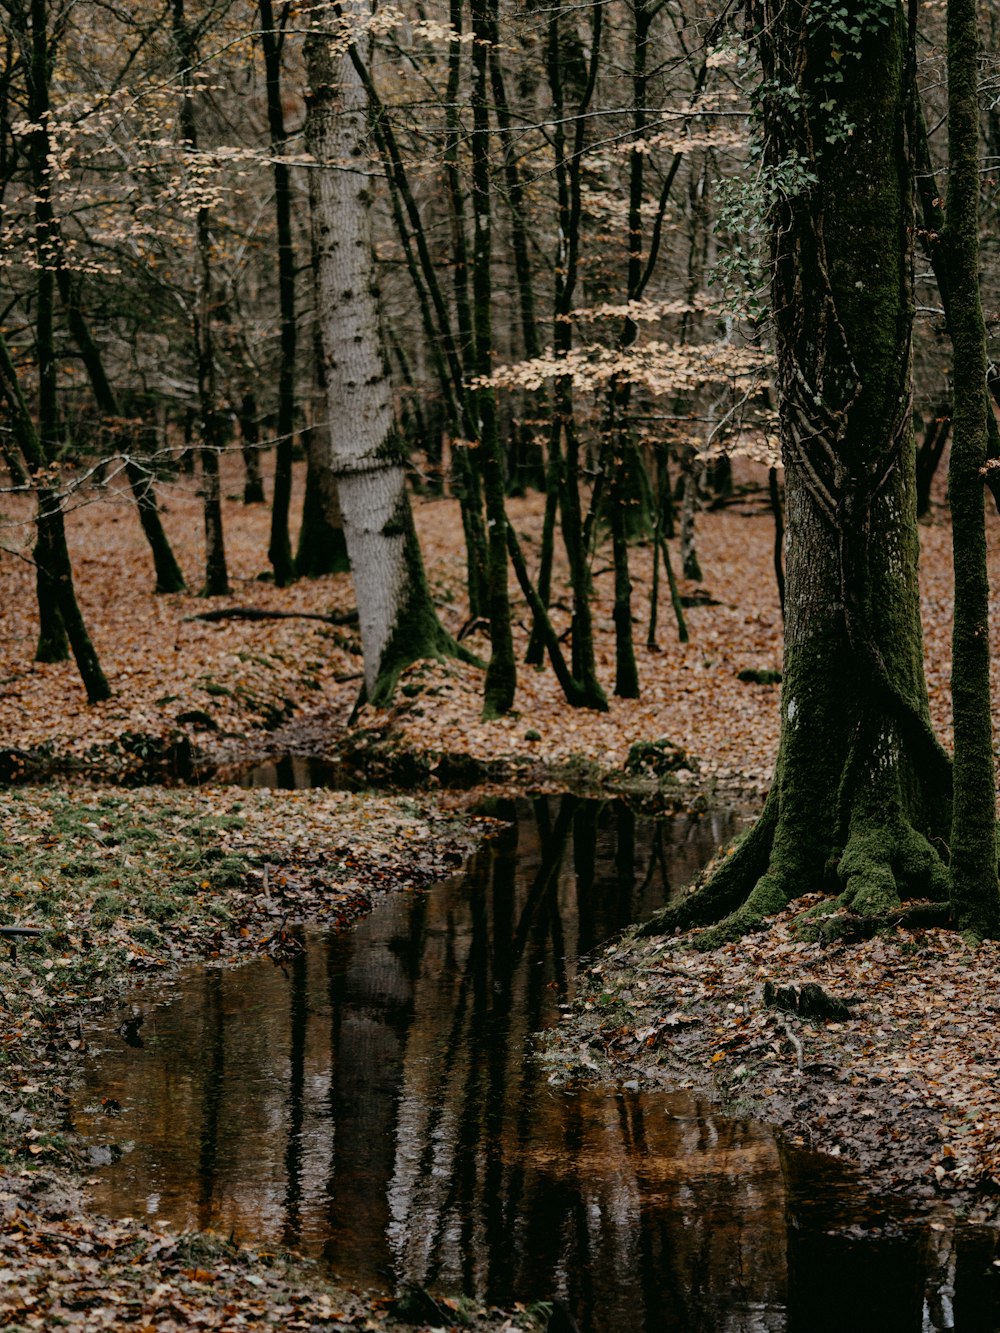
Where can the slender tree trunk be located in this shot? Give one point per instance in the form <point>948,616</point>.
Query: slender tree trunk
<point>501,675</point>
<point>934,228</point>
<point>931,451</point>
<point>466,472</point>
<point>975,892</point>
<point>528,467</point>
<point>778,553</point>
<point>216,572</point>
<point>322,545</point>
<point>280,549</point>
<point>568,164</point>
<point>61,625</point>
<point>53,645</point>
<point>442,339</point>
<point>140,479</point>
<point>692,470</point>
<point>253,483</point>
<point>51,549</point>
<point>397,617</point>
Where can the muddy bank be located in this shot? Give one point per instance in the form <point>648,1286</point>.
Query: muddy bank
<point>126,883</point>
<point>902,1081</point>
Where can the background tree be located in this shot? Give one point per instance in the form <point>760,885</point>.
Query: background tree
<point>280,550</point>
<point>975,891</point>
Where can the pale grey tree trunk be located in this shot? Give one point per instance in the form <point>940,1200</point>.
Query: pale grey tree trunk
<point>397,618</point>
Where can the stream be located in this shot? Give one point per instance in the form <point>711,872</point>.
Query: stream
<point>374,1104</point>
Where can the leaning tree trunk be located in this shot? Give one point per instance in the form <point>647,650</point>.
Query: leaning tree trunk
<point>861,787</point>
<point>51,549</point>
<point>398,622</point>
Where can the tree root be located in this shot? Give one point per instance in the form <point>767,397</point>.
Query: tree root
<point>883,861</point>
<point>257,613</point>
<point>722,886</point>
<point>846,928</point>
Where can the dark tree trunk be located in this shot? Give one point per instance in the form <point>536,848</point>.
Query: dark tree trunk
<point>778,556</point>
<point>563,428</point>
<point>861,791</point>
<point>51,551</point>
<point>527,458</point>
<point>216,573</point>
<point>253,483</point>
<point>975,893</point>
<point>61,625</point>
<point>322,545</point>
<point>930,453</point>
<point>465,471</point>
<point>501,675</point>
<point>444,349</point>
<point>140,479</point>
<point>53,645</point>
<point>280,549</point>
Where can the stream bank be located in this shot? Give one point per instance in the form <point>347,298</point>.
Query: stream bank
<point>131,883</point>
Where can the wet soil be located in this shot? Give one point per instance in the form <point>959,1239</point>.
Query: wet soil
<point>903,1083</point>
<point>374,1104</point>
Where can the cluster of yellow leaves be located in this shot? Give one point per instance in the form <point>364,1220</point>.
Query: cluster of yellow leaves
<point>658,366</point>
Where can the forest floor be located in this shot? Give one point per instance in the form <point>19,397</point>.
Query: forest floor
<point>128,877</point>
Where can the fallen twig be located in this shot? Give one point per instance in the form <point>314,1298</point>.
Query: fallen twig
<point>258,613</point>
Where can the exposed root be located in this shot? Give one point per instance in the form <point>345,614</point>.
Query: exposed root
<point>882,863</point>
<point>772,892</point>
<point>847,928</point>
<point>722,887</point>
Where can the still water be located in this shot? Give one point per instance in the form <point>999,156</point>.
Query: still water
<point>374,1105</point>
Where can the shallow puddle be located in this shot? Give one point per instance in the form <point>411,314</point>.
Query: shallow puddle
<point>373,1105</point>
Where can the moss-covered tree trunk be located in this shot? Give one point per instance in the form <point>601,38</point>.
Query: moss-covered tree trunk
<point>398,622</point>
<point>861,791</point>
<point>974,888</point>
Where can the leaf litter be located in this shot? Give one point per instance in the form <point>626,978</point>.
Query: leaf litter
<point>906,1086</point>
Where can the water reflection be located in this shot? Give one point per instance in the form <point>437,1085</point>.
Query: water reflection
<point>373,1106</point>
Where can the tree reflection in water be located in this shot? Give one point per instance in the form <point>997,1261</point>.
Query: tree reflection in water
<point>376,1106</point>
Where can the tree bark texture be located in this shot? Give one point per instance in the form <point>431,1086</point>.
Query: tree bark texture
<point>974,888</point>
<point>280,547</point>
<point>501,675</point>
<point>861,790</point>
<point>216,570</point>
<point>397,619</point>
